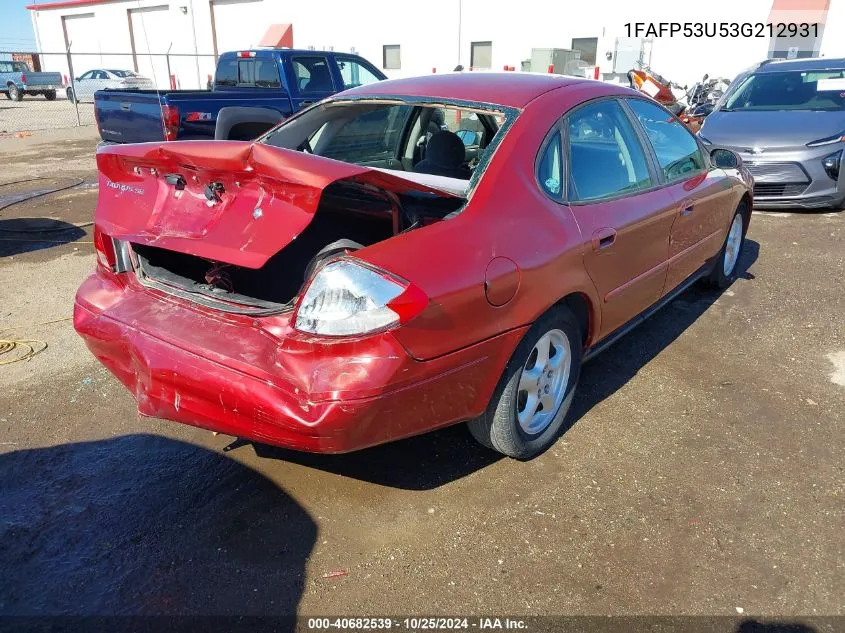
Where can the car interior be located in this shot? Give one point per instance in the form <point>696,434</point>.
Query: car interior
<point>439,141</point>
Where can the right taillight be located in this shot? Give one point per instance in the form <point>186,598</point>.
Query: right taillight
<point>104,245</point>
<point>170,121</point>
<point>346,298</point>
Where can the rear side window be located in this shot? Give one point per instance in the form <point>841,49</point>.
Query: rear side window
<point>227,73</point>
<point>312,75</point>
<point>550,170</point>
<point>677,151</point>
<point>606,159</point>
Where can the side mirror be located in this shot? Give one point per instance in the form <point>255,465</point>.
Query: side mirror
<point>725,159</point>
<point>706,77</point>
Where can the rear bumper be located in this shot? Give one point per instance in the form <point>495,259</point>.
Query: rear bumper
<point>308,396</point>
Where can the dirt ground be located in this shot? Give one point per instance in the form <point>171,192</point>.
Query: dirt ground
<point>703,473</point>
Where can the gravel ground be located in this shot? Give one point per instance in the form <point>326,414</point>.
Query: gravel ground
<point>703,474</point>
<point>36,113</point>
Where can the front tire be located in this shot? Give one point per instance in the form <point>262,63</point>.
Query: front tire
<point>15,93</point>
<point>70,96</point>
<point>727,261</point>
<point>535,392</point>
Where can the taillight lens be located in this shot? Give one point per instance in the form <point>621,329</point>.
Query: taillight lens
<point>104,246</point>
<point>346,298</point>
<point>23,78</point>
<point>170,121</point>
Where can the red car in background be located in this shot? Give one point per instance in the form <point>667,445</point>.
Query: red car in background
<point>401,257</point>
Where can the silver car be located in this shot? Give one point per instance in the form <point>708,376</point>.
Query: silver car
<point>87,84</point>
<point>786,120</point>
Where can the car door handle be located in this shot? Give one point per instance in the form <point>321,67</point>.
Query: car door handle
<point>307,103</point>
<point>602,238</point>
<point>688,208</point>
<point>125,106</point>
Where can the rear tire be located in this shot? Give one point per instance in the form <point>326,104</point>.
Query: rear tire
<point>50,95</point>
<point>513,424</point>
<point>727,261</point>
<point>15,93</point>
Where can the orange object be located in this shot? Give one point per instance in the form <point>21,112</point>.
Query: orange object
<point>278,36</point>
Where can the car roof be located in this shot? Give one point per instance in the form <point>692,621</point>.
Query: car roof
<point>815,63</point>
<point>509,89</point>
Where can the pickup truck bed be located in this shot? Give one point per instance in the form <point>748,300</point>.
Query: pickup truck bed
<point>253,90</point>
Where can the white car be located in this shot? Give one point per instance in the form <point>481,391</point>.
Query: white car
<point>84,86</point>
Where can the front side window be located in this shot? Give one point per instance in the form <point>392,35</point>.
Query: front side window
<point>550,170</point>
<point>822,90</point>
<point>354,73</point>
<point>606,159</point>
<point>677,151</point>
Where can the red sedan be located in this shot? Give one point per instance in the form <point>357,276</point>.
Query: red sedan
<point>401,257</point>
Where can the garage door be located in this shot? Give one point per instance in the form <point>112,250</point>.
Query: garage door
<point>239,24</point>
<point>81,34</point>
<point>151,30</point>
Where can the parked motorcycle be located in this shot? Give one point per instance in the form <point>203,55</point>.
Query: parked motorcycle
<point>658,88</point>
<point>701,100</point>
<point>690,105</point>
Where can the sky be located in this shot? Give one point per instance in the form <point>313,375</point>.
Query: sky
<point>15,26</point>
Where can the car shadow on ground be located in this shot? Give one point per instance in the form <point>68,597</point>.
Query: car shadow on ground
<point>431,460</point>
<point>611,370</point>
<point>756,626</point>
<point>145,525</point>
<point>25,235</point>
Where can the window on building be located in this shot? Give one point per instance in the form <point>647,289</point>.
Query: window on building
<point>677,151</point>
<point>481,55</point>
<point>355,73</point>
<point>605,158</point>
<point>391,57</point>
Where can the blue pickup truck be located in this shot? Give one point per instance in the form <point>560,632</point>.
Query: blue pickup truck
<point>17,80</point>
<point>252,91</point>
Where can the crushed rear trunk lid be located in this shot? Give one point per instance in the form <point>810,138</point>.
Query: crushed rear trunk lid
<point>226,201</point>
<point>232,224</point>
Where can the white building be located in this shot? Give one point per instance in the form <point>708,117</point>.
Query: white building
<point>408,38</point>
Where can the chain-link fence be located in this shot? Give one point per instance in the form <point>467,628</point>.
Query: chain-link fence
<point>56,90</point>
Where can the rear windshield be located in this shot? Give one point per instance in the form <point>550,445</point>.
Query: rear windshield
<point>123,73</point>
<point>790,90</point>
<point>396,135</point>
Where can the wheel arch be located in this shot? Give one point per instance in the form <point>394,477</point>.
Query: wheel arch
<point>585,312</point>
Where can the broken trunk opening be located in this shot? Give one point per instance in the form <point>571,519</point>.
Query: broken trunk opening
<point>350,216</point>
<point>241,226</point>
